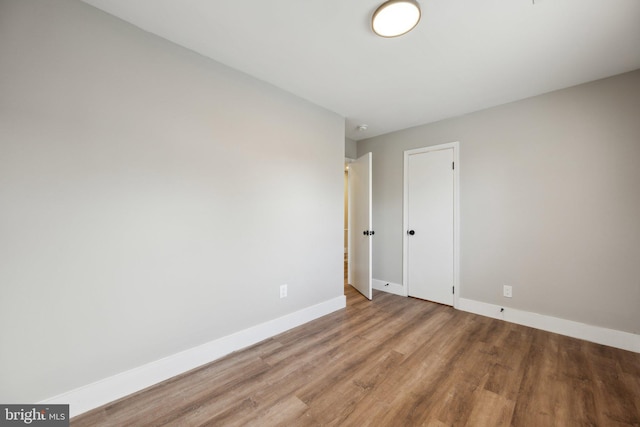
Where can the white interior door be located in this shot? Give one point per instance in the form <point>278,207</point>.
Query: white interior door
<point>429,224</point>
<point>360,227</point>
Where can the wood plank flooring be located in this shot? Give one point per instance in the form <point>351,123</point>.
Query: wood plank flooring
<point>397,361</point>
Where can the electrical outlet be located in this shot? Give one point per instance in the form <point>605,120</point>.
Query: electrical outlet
<point>507,291</point>
<point>283,291</point>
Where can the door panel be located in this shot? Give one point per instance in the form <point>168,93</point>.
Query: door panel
<point>360,187</point>
<point>430,225</point>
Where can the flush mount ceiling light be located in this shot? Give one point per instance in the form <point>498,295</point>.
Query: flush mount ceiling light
<point>395,17</point>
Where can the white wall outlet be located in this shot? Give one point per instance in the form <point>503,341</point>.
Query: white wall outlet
<point>507,291</point>
<point>283,291</point>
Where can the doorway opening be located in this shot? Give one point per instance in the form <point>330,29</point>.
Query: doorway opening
<point>346,221</point>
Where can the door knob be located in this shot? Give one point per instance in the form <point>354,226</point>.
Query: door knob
<point>365,232</point>
<point>371,233</point>
<point>411,232</point>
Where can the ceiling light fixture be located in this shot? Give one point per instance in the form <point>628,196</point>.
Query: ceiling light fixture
<point>395,17</point>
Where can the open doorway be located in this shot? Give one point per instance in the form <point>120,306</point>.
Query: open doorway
<point>346,221</point>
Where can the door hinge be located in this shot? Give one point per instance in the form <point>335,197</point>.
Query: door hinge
<point>453,290</point>
<point>453,165</point>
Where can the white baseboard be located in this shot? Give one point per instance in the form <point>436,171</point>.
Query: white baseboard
<point>392,288</point>
<point>596,334</point>
<point>109,389</point>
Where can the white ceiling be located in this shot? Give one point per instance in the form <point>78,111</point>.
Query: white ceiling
<point>465,55</point>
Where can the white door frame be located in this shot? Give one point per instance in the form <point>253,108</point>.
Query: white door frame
<point>456,214</point>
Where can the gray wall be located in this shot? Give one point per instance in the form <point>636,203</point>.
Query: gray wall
<point>151,200</point>
<point>350,148</point>
<point>550,202</point>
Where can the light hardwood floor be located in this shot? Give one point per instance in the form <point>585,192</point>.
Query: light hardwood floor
<point>397,361</point>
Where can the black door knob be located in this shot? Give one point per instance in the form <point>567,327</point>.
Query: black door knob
<point>365,232</point>
<point>411,232</point>
<point>371,233</point>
